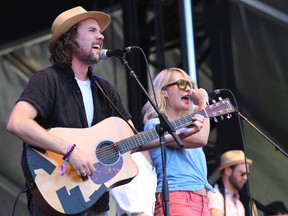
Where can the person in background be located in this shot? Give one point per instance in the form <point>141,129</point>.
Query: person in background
<point>186,167</point>
<point>276,208</point>
<point>137,197</point>
<point>234,174</point>
<point>65,95</point>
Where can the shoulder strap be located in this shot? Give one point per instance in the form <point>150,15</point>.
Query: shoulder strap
<point>133,129</point>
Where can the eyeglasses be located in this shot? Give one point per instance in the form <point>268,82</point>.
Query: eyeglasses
<point>244,173</point>
<point>181,84</point>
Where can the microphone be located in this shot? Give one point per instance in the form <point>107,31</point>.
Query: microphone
<point>216,92</point>
<point>105,54</point>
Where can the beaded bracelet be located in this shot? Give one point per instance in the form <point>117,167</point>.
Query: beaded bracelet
<point>69,151</point>
<point>66,158</point>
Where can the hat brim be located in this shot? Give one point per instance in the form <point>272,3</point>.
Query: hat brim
<point>102,18</point>
<point>249,162</point>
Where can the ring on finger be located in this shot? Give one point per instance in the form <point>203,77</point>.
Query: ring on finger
<point>83,173</point>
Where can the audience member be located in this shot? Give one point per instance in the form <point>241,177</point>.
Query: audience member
<point>276,208</point>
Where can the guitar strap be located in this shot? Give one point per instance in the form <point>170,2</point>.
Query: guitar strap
<point>133,129</point>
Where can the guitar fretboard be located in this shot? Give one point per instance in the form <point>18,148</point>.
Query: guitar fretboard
<point>150,135</point>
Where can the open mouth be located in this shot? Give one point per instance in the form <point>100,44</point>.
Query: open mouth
<point>96,46</point>
<point>186,98</point>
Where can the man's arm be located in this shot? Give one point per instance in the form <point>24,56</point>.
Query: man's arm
<point>21,123</point>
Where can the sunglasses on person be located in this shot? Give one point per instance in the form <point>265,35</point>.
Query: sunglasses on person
<point>181,84</point>
<point>242,174</point>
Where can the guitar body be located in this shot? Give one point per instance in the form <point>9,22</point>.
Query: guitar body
<point>71,194</point>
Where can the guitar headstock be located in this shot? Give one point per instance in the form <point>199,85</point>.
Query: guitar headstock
<point>220,108</point>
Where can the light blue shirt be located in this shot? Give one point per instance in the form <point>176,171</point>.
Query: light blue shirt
<point>186,168</point>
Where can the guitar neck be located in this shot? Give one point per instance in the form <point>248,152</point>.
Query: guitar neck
<point>150,135</point>
<point>219,108</point>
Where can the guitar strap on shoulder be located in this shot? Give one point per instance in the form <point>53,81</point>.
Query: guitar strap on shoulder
<point>133,129</point>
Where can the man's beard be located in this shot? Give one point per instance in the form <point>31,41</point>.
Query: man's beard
<point>87,58</point>
<point>236,184</point>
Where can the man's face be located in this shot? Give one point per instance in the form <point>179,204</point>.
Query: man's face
<point>238,176</point>
<point>90,41</point>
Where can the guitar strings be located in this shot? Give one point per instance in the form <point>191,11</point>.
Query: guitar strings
<point>113,150</point>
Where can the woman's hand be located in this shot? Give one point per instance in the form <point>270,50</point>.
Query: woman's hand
<point>200,98</point>
<point>197,124</point>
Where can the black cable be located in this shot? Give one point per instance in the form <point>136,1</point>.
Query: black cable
<point>148,71</point>
<point>22,191</point>
<point>218,91</point>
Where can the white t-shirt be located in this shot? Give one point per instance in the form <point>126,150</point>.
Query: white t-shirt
<point>139,194</point>
<point>87,99</point>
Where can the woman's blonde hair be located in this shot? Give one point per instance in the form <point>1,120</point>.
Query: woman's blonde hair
<point>161,80</point>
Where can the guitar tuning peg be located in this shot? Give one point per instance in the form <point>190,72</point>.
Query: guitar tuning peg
<point>222,118</point>
<point>215,119</point>
<point>220,98</point>
<point>229,116</point>
<point>213,101</point>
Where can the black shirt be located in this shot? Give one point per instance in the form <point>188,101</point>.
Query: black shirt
<point>57,97</point>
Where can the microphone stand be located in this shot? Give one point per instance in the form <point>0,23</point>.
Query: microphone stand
<point>218,91</point>
<point>277,147</point>
<point>164,125</point>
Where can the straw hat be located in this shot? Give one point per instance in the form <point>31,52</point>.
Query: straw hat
<point>231,158</point>
<point>70,17</point>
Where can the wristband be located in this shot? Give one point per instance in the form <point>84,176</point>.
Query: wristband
<point>66,158</point>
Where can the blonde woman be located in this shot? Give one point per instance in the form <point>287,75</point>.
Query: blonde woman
<point>177,96</point>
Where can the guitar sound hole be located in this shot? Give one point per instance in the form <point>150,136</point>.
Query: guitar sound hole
<point>107,153</point>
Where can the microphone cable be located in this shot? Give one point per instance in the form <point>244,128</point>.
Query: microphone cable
<point>148,71</point>
<point>16,200</point>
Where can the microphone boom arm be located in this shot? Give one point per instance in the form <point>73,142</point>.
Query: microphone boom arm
<point>277,147</point>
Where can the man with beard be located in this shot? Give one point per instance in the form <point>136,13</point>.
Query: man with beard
<point>234,174</point>
<point>67,95</point>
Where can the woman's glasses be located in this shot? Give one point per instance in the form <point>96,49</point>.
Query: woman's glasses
<point>181,84</point>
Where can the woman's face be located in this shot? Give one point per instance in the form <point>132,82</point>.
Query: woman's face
<point>178,100</point>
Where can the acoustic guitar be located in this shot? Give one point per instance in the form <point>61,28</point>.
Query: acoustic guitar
<point>108,144</point>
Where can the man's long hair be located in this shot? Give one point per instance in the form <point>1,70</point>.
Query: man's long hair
<point>64,48</point>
